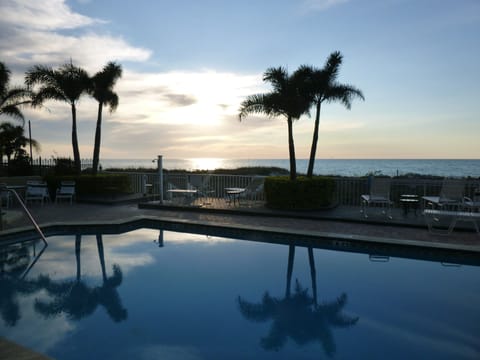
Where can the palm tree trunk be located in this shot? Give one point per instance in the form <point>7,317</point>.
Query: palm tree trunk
<point>313,274</point>
<point>101,256</point>
<point>98,136</point>
<point>76,151</point>
<point>78,242</point>
<point>291,257</point>
<point>291,150</point>
<point>313,149</point>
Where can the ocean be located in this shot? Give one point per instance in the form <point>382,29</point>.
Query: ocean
<point>343,167</point>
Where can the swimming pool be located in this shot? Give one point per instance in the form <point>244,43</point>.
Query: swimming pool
<point>157,294</point>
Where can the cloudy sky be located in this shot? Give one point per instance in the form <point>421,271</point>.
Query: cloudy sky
<point>188,64</point>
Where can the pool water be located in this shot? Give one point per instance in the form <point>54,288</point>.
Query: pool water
<point>150,294</point>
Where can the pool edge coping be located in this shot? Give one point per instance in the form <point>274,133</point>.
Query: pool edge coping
<point>53,228</point>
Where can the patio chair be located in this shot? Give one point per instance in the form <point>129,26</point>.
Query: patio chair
<point>66,191</point>
<point>379,194</point>
<point>37,191</point>
<point>451,195</point>
<point>201,183</point>
<point>5,197</point>
<point>251,192</point>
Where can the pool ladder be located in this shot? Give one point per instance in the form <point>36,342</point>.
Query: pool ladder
<point>29,215</point>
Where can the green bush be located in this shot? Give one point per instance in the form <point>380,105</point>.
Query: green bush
<point>301,194</point>
<point>101,184</point>
<point>64,167</point>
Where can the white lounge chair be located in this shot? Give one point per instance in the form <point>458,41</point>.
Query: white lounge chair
<point>201,183</point>
<point>379,194</point>
<point>66,191</point>
<point>251,192</point>
<point>5,197</point>
<point>37,191</point>
<point>451,196</point>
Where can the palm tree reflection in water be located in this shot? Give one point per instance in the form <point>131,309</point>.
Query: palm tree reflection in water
<point>15,263</point>
<point>77,299</point>
<point>298,316</point>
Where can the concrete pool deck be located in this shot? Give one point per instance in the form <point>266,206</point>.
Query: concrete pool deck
<point>343,223</point>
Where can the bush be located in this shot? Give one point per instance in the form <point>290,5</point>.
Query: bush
<point>101,184</point>
<point>64,166</point>
<point>20,167</point>
<point>301,194</point>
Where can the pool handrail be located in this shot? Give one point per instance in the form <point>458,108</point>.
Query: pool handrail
<point>29,215</point>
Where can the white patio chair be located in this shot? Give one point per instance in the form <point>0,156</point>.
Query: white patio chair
<point>5,197</point>
<point>252,192</point>
<point>379,194</point>
<point>201,183</point>
<point>451,195</point>
<point>66,191</point>
<point>37,191</point>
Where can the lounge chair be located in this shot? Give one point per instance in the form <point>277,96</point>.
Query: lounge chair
<point>5,197</point>
<point>451,196</point>
<point>201,183</point>
<point>37,191</point>
<point>379,194</point>
<point>251,192</point>
<point>66,191</point>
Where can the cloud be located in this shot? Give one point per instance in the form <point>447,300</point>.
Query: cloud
<point>158,111</point>
<point>320,5</point>
<point>42,15</point>
<point>30,33</point>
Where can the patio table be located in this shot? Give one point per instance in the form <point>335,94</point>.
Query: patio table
<point>234,194</point>
<point>188,194</point>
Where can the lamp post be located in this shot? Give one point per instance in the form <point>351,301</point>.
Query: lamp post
<point>160,177</point>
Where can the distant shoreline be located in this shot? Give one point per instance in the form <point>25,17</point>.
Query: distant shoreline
<point>343,167</point>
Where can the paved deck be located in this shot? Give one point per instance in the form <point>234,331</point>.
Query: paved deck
<point>346,222</point>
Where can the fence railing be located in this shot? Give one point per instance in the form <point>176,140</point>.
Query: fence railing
<point>215,184</point>
<point>38,166</point>
<point>348,190</point>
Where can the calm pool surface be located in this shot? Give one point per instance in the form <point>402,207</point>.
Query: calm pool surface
<point>151,294</point>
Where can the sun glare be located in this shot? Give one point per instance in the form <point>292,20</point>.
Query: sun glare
<point>206,163</point>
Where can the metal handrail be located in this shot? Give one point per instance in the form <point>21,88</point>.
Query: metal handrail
<point>27,212</point>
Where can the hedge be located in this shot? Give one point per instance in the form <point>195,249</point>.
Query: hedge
<point>100,184</point>
<point>300,194</point>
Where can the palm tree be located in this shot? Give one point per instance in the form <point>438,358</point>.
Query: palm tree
<point>66,84</point>
<point>13,140</point>
<point>11,98</point>
<point>323,87</point>
<point>298,316</point>
<point>102,90</point>
<point>286,99</point>
<point>76,299</point>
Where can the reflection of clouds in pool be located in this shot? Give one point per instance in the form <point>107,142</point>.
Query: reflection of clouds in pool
<point>166,352</point>
<point>35,331</point>
<point>128,250</point>
<point>442,344</point>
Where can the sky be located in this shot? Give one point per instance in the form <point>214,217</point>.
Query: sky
<point>188,64</point>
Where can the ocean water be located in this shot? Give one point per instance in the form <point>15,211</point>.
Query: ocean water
<point>343,167</point>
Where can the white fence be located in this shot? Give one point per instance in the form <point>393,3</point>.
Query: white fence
<point>347,190</point>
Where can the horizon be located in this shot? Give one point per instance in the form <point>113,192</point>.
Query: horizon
<point>416,63</point>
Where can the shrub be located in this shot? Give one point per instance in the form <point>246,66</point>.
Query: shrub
<point>101,184</point>
<point>64,166</point>
<point>303,193</point>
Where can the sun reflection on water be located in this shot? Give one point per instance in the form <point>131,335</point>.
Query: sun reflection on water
<point>206,163</point>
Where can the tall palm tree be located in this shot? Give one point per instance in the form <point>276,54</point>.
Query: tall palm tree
<point>68,83</point>
<point>323,87</point>
<point>102,90</point>
<point>286,99</point>
<point>11,98</point>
